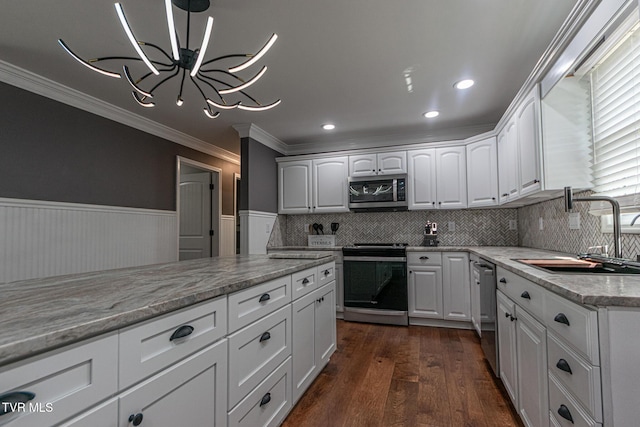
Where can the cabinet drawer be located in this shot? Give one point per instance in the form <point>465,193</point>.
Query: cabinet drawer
<point>251,304</point>
<point>304,282</point>
<point>267,404</point>
<point>65,382</point>
<point>326,273</point>
<point>424,258</point>
<point>579,377</point>
<point>577,325</point>
<point>256,351</point>
<point>561,402</point>
<point>103,415</point>
<point>523,292</point>
<point>148,347</point>
<point>191,392</point>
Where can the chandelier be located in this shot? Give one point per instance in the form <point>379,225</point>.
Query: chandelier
<point>218,82</point>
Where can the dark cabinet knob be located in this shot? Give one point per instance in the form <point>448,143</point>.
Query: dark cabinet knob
<point>305,281</point>
<point>265,337</point>
<point>181,332</point>
<point>264,297</point>
<point>439,203</point>
<point>525,295</point>
<point>493,198</point>
<point>265,399</point>
<point>564,412</point>
<point>564,366</point>
<point>507,315</point>
<point>561,318</point>
<point>327,272</point>
<point>136,419</point>
<point>14,397</point>
<point>503,280</point>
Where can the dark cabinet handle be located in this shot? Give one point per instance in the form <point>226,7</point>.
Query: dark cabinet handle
<point>305,281</point>
<point>264,337</point>
<point>564,412</point>
<point>327,272</point>
<point>535,181</point>
<point>264,297</point>
<point>136,419</point>
<point>525,295</point>
<point>564,366</point>
<point>14,397</point>
<point>512,318</point>
<point>561,318</point>
<point>505,194</point>
<point>503,280</point>
<point>507,315</point>
<point>265,399</point>
<point>181,332</point>
<point>424,257</point>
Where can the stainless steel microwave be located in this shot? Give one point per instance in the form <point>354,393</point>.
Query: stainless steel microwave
<point>375,193</point>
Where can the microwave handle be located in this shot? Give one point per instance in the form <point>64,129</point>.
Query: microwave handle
<point>395,190</point>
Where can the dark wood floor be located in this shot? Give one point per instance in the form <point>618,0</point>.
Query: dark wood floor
<point>398,376</point>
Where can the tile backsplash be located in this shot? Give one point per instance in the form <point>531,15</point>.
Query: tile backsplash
<point>556,234</point>
<point>488,227</point>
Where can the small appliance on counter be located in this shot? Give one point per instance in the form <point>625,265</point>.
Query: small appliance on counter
<point>430,234</point>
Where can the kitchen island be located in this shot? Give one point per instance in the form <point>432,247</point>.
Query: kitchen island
<point>219,339</point>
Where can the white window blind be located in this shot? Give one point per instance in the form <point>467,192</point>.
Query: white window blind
<point>615,94</point>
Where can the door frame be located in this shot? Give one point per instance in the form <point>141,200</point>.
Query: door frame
<point>236,203</point>
<point>183,160</point>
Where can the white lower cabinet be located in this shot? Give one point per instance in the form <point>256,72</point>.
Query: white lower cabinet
<point>190,392</point>
<point>474,283</point>
<point>100,416</point>
<point>523,361</point>
<point>314,336</point>
<point>268,403</point>
<point>438,285</point>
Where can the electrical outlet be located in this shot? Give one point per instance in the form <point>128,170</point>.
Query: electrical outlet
<point>452,226</point>
<point>574,221</point>
<point>513,224</point>
<point>306,228</point>
<point>540,224</point>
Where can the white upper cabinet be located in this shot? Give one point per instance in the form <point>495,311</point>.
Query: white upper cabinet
<point>508,163</point>
<point>378,164</point>
<point>528,130</point>
<point>482,173</point>
<point>422,178</point>
<point>451,184</point>
<point>437,178</point>
<point>294,187</point>
<point>330,177</point>
<point>319,185</point>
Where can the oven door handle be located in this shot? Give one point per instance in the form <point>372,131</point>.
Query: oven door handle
<point>375,258</point>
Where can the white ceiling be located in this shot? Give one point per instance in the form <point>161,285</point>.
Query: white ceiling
<point>335,61</point>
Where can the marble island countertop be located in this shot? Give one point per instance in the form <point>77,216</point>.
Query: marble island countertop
<point>595,289</point>
<point>43,314</point>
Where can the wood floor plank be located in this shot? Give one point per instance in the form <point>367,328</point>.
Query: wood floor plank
<point>404,377</point>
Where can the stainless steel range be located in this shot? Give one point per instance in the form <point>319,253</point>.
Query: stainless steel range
<point>375,283</point>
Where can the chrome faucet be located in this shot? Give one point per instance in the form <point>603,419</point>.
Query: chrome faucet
<point>617,235</point>
<point>633,221</point>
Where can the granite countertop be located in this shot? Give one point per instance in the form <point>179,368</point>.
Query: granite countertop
<point>43,314</point>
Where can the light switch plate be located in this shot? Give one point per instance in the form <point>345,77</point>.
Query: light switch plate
<point>574,221</point>
<point>540,224</point>
<point>513,224</point>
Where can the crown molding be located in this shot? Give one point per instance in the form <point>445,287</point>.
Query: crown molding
<point>39,85</point>
<point>249,130</point>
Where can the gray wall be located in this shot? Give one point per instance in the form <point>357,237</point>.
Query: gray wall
<point>52,151</point>
<point>259,171</point>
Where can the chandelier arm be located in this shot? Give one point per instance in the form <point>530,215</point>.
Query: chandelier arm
<point>207,109</point>
<point>238,55</point>
<point>128,58</point>
<point>133,40</point>
<point>158,48</point>
<point>228,85</point>
<point>212,87</point>
<point>164,80</point>
<point>217,70</point>
<point>184,74</point>
<point>88,64</point>
<point>134,84</point>
<point>246,84</point>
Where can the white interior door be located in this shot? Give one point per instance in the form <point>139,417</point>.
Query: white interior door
<point>195,215</point>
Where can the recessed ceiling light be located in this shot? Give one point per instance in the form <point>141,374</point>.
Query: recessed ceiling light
<point>328,126</point>
<point>431,114</point>
<point>464,84</point>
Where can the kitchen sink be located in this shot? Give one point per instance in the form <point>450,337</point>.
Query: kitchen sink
<point>580,266</point>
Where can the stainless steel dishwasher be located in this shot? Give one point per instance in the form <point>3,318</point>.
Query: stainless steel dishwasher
<point>486,273</point>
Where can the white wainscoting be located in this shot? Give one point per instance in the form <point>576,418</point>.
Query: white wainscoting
<point>42,239</point>
<point>227,235</point>
<point>255,229</point>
